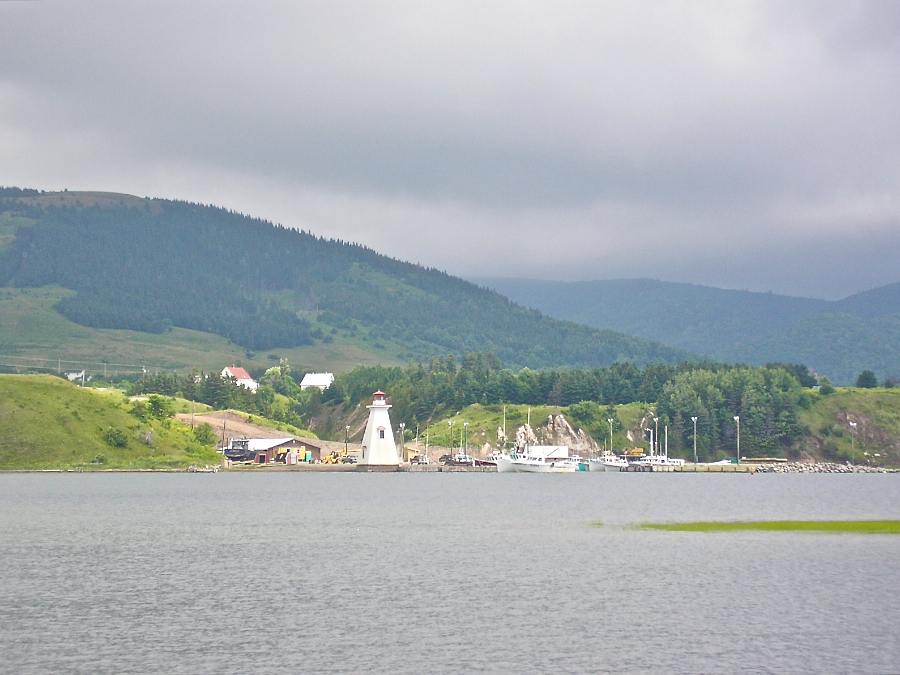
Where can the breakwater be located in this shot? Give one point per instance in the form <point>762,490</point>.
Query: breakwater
<point>820,467</point>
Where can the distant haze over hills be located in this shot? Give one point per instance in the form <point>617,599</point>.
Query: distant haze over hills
<point>836,338</point>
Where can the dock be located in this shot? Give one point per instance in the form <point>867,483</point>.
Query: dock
<point>744,467</point>
<point>693,468</point>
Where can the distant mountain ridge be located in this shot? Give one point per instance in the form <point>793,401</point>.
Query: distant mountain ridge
<point>152,264</point>
<point>837,338</point>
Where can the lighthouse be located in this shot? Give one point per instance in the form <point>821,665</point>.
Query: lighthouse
<point>378,448</point>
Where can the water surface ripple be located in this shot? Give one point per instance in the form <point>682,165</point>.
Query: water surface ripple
<point>442,573</point>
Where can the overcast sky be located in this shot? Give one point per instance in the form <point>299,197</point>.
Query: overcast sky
<point>745,145</point>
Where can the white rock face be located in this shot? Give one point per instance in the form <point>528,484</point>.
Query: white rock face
<point>525,436</point>
<point>558,431</point>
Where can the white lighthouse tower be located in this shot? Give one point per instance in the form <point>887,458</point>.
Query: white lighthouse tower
<point>378,448</point>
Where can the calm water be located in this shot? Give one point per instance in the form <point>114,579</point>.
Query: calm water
<point>445,573</point>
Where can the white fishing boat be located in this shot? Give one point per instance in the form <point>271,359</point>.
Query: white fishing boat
<point>542,465</point>
<point>658,460</point>
<point>545,459</point>
<point>503,461</point>
<point>608,462</point>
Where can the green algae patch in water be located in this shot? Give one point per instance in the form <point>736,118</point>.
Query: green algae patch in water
<point>823,526</point>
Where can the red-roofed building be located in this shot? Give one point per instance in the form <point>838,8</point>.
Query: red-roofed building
<point>241,376</point>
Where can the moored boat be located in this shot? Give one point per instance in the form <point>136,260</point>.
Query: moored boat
<point>658,460</point>
<point>545,459</point>
<point>502,460</point>
<point>542,465</point>
<point>608,462</point>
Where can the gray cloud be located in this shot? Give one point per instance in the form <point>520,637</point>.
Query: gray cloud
<point>749,145</point>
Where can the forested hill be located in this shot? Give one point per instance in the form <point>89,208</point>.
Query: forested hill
<point>837,338</point>
<point>149,264</point>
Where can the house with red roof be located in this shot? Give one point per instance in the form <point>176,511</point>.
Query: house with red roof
<point>241,377</point>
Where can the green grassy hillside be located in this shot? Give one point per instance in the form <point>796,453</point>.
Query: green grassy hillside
<point>158,266</point>
<point>33,335</point>
<point>49,423</point>
<point>485,420</point>
<point>876,413</point>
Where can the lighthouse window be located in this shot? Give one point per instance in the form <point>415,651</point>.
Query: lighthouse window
<point>381,433</point>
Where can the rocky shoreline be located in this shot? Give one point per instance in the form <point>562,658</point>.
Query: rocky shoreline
<point>820,467</point>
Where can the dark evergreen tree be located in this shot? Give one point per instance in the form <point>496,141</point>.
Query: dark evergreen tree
<point>867,380</point>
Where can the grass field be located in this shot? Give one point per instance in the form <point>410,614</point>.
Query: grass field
<point>49,423</point>
<point>34,336</point>
<point>816,526</point>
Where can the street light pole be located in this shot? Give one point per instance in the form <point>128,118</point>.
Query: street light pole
<point>466,425</point>
<point>450,426</point>
<point>852,443</point>
<point>346,438</point>
<point>694,420</point>
<point>737,418</point>
<point>656,434</point>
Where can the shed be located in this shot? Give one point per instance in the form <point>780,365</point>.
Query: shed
<point>266,450</point>
<point>320,380</point>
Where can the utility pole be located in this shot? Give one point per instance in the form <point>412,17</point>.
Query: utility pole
<point>737,419</point>
<point>694,420</point>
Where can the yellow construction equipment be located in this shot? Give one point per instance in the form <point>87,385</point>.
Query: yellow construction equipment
<point>335,457</point>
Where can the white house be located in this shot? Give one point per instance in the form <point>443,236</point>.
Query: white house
<point>320,380</point>
<point>241,376</point>
<point>378,447</point>
<point>76,375</point>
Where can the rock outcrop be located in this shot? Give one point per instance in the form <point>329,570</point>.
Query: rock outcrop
<point>558,431</point>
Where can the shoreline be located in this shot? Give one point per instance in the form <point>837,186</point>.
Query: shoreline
<point>743,468</point>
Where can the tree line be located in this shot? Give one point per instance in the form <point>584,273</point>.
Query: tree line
<point>767,399</point>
